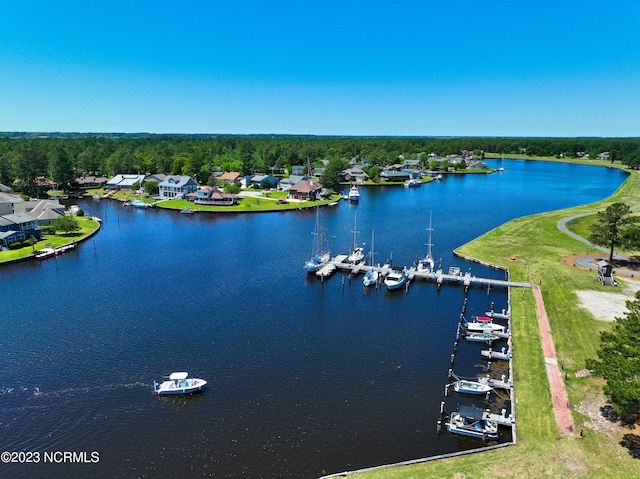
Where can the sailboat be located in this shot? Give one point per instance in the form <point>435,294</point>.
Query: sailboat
<point>427,264</point>
<point>320,255</point>
<point>371,276</point>
<point>357,253</point>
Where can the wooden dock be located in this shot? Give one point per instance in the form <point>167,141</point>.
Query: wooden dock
<point>439,277</point>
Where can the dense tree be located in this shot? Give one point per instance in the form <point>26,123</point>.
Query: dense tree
<point>619,363</point>
<point>62,169</point>
<point>67,224</point>
<point>331,176</point>
<point>615,226</point>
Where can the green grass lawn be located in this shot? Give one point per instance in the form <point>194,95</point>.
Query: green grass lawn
<point>87,224</point>
<point>538,247</point>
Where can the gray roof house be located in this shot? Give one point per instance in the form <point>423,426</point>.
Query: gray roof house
<point>121,182</point>
<point>390,175</point>
<point>44,211</point>
<point>177,187</point>
<point>8,203</point>
<point>286,183</point>
<point>17,227</point>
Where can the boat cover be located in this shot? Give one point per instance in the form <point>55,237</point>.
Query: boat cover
<point>178,376</point>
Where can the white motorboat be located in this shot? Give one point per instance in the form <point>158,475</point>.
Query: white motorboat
<point>395,280</point>
<point>481,326</point>
<point>354,193</point>
<point>480,337</point>
<point>412,183</point>
<point>471,387</point>
<point>472,421</point>
<point>179,383</point>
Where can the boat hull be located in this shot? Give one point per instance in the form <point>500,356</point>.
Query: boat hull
<point>471,387</point>
<point>370,278</point>
<point>188,386</point>
<point>395,281</point>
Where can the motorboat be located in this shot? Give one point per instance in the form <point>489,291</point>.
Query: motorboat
<point>481,326</point>
<point>412,183</point>
<point>179,383</point>
<point>480,337</point>
<point>472,421</point>
<point>139,204</point>
<point>354,194</point>
<point>471,387</point>
<point>395,280</point>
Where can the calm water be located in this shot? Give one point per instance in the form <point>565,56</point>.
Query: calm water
<point>305,378</point>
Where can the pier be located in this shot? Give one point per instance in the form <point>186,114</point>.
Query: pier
<point>413,273</point>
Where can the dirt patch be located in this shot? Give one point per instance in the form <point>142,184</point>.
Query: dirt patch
<point>593,408</point>
<point>609,306</point>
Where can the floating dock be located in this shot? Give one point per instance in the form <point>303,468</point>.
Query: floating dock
<point>439,277</point>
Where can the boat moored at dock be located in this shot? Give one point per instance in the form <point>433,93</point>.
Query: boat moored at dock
<point>472,421</point>
<point>395,280</point>
<point>464,386</point>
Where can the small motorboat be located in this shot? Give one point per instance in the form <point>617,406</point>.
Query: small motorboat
<point>471,387</point>
<point>480,326</point>
<point>179,383</point>
<point>478,337</point>
<point>395,280</point>
<point>471,421</point>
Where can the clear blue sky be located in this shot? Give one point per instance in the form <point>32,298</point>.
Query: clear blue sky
<point>492,68</point>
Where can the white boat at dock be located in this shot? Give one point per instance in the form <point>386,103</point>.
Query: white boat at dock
<point>486,326</point>
<point>178,384</point>
<point>471,421</point>
<point>395,280</point>
<point>427,264</point>
<point>354,194</point>
<point>464,386</point>
<point>371,277</point>
<point>481,337</point>
<point>356,254</point>
<point>51,251</point>
<point>320,255</point>
<point>412,183</point>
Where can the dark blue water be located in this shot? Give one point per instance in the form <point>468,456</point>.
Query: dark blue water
<point>305,378</point>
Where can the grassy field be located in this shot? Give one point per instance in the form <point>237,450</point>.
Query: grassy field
<point>538,247</point>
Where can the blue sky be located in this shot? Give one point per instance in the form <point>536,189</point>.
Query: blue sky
<point>415,68</point>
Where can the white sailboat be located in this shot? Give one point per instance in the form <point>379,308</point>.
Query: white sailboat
<point>427,263</point>
<point>320,254</point>
<point>357,252</point>
<point>371,276</point>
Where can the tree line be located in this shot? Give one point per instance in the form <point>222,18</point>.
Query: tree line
<point>61,157</point>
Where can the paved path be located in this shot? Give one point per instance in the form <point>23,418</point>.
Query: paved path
<point>564,420</point>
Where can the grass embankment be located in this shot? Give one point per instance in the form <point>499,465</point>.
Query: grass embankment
<point>87,227</point>
<point>538,247</point>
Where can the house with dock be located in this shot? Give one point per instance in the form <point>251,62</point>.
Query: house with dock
<point>307,190</point>
<point>212,196</point>
<point>175,187</point>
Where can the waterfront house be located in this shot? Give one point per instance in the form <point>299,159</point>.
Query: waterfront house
<point>159,177</point>
<point>287,183</point>
<point>84,182</point>
<point>307,190</point>
<point>354,174</point>
<point>390,175</point>
<point>124,182</point>
<point>45,212</point>
<point>212,196</point>
<point>176,187</point>
<point>17,227</point>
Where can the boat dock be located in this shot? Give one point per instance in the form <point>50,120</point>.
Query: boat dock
<point>413,273</point>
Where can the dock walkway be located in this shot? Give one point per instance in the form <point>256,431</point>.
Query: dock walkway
<point>413,273</point>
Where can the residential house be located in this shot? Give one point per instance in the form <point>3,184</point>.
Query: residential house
<point>4,189</point>
<point>287,183</point>
<point>277,170</point>
<point>159,177</point>
<point>354,175</point>
<point>8,203</point>
<point>230,177</point>
<point>124,182</point>
<point>318,172</point>
<point>212,196</point>
<point>306,190</point>
<point>264,181</point>
<point>45,212</point>
<point>17,227</point>
<point>175,187</point>
<point>390,175</point>
<point>297,169</point>
<point>84,182</point>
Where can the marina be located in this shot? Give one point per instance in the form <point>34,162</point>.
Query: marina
<point>306,375</point>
